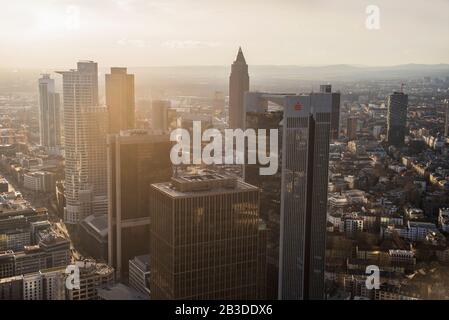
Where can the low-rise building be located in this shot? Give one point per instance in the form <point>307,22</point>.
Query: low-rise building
<point>139,274</point>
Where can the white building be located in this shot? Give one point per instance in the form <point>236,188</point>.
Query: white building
<point>85,128</point>
<point>443,219</point>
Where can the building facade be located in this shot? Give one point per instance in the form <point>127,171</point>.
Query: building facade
<point>136,159</point>
<point>305,135</point>
<point>206,240</point>
<point>397,118</point>
<point>85,127</point>
<point>120,100</point>
<point>49,115</point>
<point>351,128</point>
<point>139,274</point>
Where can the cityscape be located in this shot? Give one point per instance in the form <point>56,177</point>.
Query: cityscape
<point>242,180</point>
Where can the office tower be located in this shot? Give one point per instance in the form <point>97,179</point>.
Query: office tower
<point>335,115</point>
<point>305,134</point>
<point>351,128</point>
<point>446,119</point>
<point>136,159</point>
<point>159,115</point>
<point>238,85</point>
<point>397,118</point>
<point>270,194</point>
<point>49,115</point>
<point>32,286</point>
<point>120,100</point>
<point>206,240</point>
<point>139,274</point>
<point>85,127</point>
<point>93,276</point>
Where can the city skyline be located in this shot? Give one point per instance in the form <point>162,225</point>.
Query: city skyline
<point>237,174</point>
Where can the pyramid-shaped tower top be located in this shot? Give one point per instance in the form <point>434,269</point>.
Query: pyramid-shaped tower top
<point>240,56</point>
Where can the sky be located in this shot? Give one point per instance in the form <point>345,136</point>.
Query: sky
<point>133,33</point>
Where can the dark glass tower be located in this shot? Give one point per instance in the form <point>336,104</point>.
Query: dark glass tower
<point>135,161</point>
<point>299,218</point>
<point>397,118</point>
<point>120,100</point>
<point>206,240</point>
<point>335,114</point>
<point>238,85</point>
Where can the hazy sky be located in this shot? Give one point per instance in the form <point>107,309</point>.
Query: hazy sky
<point>57,33</point>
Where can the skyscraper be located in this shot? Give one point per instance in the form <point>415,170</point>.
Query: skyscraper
<point>335,115</point>
<point>305,134</point>
<point>446,119</point>
<point>49,115</point>
<point>397,118</point>
<point>238,85</point>
<point>206,240</point>
<point>351,128</point>
<point>136,159</point>
<point>159,115</point>
<point>85,127</point>
<point>120,100</point>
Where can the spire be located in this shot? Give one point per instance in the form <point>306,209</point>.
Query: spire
<point>240,57</point>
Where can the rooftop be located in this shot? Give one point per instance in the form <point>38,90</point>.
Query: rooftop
<point>120,292</point>
<point>201,183</point>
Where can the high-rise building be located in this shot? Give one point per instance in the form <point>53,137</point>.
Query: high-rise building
<point>446,119</point>
<point>120,100</point>
<point>335,114</point>
<point>136,159</point>
<point>207,240</point>
<point>351,128</point>
<point>85,127</point>
<point>270,194</point>
<point>47,284</point>
<point>305,134</point>
<point>159,115</point>
<point>238,85</point>
<point>397,118</point>
<point>49,115</point>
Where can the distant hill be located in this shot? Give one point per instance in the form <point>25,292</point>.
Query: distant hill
<point>206,79</point>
